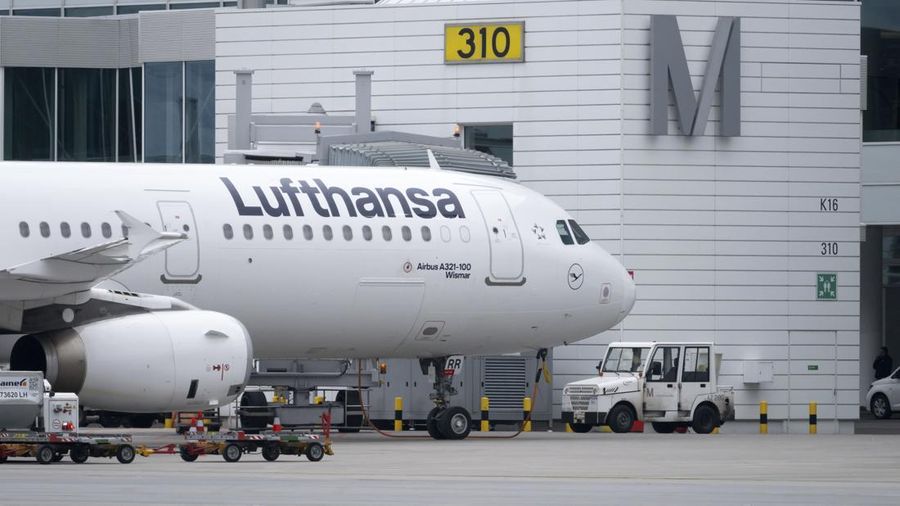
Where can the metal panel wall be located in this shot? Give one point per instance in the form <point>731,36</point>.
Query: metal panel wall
<point>68,42</point>
<point>177,35</point>
<point>725,234</point>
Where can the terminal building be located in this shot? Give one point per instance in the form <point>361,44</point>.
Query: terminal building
<point>737,156</point>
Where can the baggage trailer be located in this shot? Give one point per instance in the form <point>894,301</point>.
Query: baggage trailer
<point>51,447</point>
<point>232,445</point>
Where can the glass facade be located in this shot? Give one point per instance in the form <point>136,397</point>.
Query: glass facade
<point>200,111</point>
<point>83,12</point>
<point>29,113</point>
<point>134,9</point>
<point>881,44</point>
<point>494,140</point>
<point>87,115</point>
<point>164,107</point>
<point>130,118</point>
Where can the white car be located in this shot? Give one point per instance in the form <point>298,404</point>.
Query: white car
<point>884,395</point>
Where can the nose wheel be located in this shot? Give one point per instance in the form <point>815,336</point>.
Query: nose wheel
<point>445,421</point>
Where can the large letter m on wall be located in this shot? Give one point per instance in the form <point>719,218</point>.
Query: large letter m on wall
<point>668,64</point>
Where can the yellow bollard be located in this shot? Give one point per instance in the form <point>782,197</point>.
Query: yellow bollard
<point>813,415</point>
<point>526,414</point>
<point>569,428</point>
<point>398,414</point>
<point>485,414</point>
<point>763,417</point>
<point>168,423</point>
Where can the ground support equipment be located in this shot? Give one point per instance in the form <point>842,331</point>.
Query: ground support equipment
<point>47,448</point>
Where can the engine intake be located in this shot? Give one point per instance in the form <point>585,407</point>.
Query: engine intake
<point>148,362</point>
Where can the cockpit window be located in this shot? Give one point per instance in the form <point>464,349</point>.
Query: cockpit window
<point>580,236</point>
<point>625,359</point>
<point>564,234</point>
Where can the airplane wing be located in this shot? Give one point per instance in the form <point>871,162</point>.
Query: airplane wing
<point>79,270</point>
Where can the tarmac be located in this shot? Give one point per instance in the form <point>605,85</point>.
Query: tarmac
<point>535,468</point>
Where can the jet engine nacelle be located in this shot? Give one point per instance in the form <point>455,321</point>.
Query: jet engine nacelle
<point>148,362</point>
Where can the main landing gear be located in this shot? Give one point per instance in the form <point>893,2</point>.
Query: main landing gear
<point>445,421</point>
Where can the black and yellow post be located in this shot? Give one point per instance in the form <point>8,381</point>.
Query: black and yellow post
<point>485,414</point>
<point>812,418</point>
<point>398,414</point>
<point>763,417</point>
<point>526,414</point>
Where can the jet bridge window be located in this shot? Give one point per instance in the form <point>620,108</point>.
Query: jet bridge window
<point>45,229</point>
<point>65,230</point>
<point>227,231</point>
<point>23,229</point>
<point>580,236</point>
<point>86,230</point>
<point>564,234</point>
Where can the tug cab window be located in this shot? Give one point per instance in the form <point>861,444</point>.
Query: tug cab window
<point>580,236</point>
<point>564,234</point>
<point>626,359</point>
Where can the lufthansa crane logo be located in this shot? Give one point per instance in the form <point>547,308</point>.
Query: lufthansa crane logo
<point>575,277</point>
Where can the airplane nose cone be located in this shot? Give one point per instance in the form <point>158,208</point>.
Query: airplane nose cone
<point>629,296</point>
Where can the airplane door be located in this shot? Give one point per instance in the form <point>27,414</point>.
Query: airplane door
<point>183,259</point>
<point>507,254</point>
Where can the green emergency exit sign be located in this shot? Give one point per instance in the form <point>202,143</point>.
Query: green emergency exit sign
<point>826,286</point>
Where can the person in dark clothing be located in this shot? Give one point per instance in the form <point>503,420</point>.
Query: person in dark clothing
<point>883,364</point>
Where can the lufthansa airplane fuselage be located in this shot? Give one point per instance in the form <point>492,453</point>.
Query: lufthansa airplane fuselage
<point>331,261</point>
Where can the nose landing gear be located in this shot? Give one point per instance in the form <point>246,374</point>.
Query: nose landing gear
<point>445,421</point>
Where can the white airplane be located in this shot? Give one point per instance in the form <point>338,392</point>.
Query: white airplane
<point>285,262</point>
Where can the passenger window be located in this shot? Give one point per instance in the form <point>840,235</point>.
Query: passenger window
<point>407,233</point>
<point>227,231</point>
<point>106,230</point>
<point>386,232</point>
<point>664,364</point>
<point>86,230</point>
<point>367,232</point>
<point>696,365</point>
<point>307,232</point>
<point>445,233</point>
<point>267,232</point>
<point>327,233</point>
<point>248,232</point>
<point>426,234</point>
<point>288,232</point>
<point>580,236</point>
<point>24,231</point>
<point>464,233</point>
<point>564,234</point>
<point>65,230</point>
<point>348,233</point>
<point>45,229</point>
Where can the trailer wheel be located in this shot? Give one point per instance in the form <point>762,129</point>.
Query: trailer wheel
<point>186,454</point>
<point>79,454</point>
<point>581,428</point>
<point>620,418</point>
<point>125,454</point>
<point>315,452</point>
<point>271,452</point>
<point>44,454</point>
<point>705,419</point>
<point>232,453</point>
